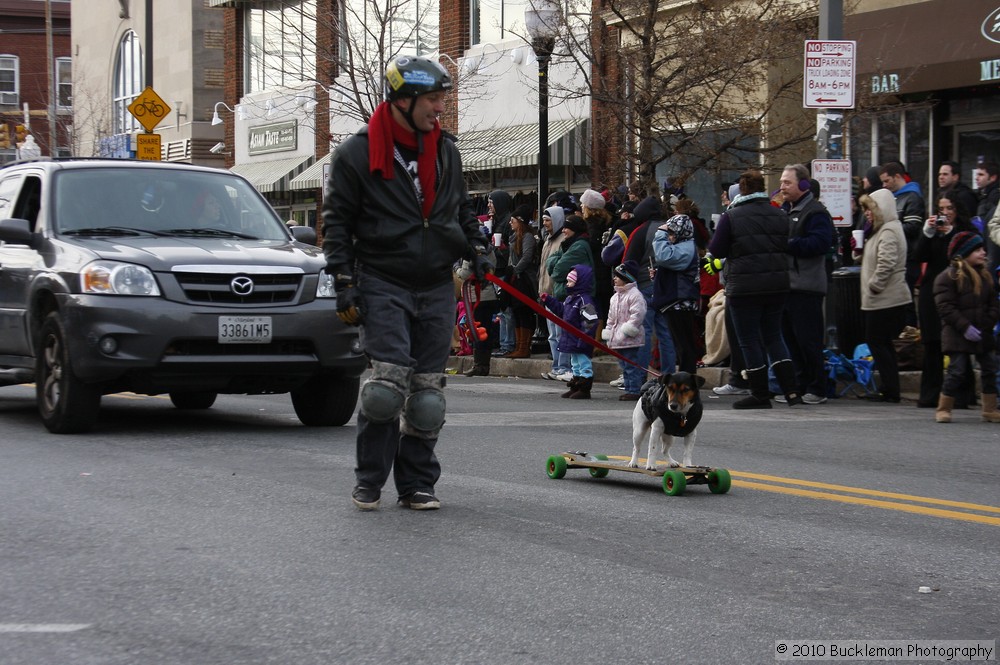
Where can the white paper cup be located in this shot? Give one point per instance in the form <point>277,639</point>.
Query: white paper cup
<point>497,239</point>
<point>859,238</point>
<point>489,225</point>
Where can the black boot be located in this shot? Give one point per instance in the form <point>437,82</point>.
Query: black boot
<point>572,385</point>
<point>583,389</point>
<point>784,372</point>
<point>480,363</point>
<point>760,396</point>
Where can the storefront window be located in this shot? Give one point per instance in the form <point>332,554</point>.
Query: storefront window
<point>281,45</point>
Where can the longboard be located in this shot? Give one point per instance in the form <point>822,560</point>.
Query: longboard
<point>675,479</point>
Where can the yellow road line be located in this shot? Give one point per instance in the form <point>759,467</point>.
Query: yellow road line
<point>888,505</point>
<point>860,500</point>
<point>867,492</point>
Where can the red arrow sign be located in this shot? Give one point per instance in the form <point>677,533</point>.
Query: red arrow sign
<point>838,219</point>
<point>820,100</point>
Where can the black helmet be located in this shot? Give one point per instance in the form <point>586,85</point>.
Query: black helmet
<point>409,76</point>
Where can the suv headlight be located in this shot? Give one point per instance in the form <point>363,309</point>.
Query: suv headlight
<point>324,287</point>
<point>114,278</point>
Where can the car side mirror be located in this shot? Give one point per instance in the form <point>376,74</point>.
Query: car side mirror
<point>304,234</point>
<point>16,231</point>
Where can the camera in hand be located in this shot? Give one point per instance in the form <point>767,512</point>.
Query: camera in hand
<point>941,221</point>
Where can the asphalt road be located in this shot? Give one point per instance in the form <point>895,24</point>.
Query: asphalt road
<point>228,536</point>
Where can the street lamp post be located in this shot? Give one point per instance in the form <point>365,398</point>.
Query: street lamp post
<point>540,19</point>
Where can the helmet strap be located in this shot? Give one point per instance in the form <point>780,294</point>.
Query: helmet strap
<point>408,116</point>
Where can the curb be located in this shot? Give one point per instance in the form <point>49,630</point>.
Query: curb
<point>606,369</point>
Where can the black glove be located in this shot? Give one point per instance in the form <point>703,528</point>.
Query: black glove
<point>480,261</point>
<point>350,306</point>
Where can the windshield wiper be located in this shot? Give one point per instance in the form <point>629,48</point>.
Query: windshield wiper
<point>105,231</point>
<point>213,233</point>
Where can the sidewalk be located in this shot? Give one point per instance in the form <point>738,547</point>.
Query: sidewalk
<point>606,369</point>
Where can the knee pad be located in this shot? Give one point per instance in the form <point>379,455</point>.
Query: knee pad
<point>384,393</point>
<point>423,414</point>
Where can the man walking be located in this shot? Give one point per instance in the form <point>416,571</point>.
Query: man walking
<point>396,217</point>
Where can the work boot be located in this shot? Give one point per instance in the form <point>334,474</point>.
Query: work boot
<point>990,413</point>
<point>480,363</point>
<point>945,404</point>
<point>572,384</point>
<point>523,348</point>
<point>583,389</point>
<point>760,396</point>
<point>784,372</point>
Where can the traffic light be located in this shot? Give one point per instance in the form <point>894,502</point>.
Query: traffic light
<point>20,133</point>
<point>4,136</point>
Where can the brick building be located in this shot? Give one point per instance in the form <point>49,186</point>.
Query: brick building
<point>29,78</point>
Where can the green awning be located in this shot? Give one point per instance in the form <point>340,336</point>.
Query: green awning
<point>504,147</point>
<point>274,175</point>
<point>312,177</point>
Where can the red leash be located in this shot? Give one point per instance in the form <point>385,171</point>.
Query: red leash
<point>573,330</point>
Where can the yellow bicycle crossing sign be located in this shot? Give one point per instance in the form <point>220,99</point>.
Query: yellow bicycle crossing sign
<point>149,109</point>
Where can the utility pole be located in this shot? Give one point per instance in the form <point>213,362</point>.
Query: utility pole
<point>50,59</point>
<point>830,122</point>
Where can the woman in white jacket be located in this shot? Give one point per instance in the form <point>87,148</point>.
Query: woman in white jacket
<point>624,332</point>
<point>884,294</point>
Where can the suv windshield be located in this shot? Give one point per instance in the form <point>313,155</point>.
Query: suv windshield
<point>118,201</point>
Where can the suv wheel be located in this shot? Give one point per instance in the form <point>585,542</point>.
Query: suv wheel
<point>326,401</point>
<point>196,400</point>
<point>67,404</point>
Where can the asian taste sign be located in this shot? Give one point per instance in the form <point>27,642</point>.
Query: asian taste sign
<point>276,137</point>
<point>829,78</point>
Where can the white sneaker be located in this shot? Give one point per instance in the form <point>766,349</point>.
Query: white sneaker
<point>565,376</point>
<point>781,398</point>
<point>810,398</point>
<point>617,383</point>
<point>730,389</point>
<point>551,376</point>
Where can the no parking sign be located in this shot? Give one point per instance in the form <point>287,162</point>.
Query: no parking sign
<point>834,178</point>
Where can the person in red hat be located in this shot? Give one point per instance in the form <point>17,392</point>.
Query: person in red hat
<point>967,302</point>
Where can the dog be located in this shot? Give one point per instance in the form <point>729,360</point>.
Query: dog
<point>670,408</point>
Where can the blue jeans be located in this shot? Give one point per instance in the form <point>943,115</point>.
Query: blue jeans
<point>656,322</point>
<point>634,377</point>
<point>757,320</point>
<point>560,361</point>
<point>581,365</point>
<point>507,340</point>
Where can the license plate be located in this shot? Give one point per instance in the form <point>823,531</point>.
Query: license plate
<point>244,329</point>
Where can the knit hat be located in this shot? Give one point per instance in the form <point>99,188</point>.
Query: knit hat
<point>523,212</point>
<point>682,227</point>
<point>571,276</point>
<point>575,224</point>
<point>627,271</point>
<point>963,244</point>
<point>628,206</point>
<point>734,191</point>
<point>592,199</point>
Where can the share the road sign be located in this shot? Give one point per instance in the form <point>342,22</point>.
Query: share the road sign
<point>829,79</point>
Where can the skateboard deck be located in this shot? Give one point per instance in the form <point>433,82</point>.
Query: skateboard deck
<point>675,479</point>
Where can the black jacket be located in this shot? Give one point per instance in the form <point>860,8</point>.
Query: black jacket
<point>378,223</point>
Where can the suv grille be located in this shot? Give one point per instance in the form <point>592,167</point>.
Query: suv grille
<point>217,288</point>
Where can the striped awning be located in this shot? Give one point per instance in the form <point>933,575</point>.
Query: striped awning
<point>274,175</point>
<point>505,147</point>
<point>312,177</point>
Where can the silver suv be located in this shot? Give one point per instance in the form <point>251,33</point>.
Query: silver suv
<point>163,278</point>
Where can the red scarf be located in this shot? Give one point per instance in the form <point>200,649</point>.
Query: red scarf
<point>384,132</point>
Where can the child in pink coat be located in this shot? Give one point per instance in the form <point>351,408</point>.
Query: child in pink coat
<point>624,332</point>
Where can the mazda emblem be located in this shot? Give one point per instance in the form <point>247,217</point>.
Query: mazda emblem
<point>241,286</point>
